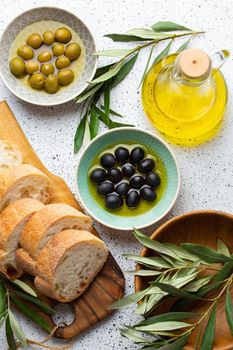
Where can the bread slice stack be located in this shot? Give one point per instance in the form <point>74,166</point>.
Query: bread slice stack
<point>52,242</point>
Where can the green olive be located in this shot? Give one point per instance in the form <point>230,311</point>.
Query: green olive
<point>47,68</point>
<point>62,62</point>
<point>34,40</point>
<point>58,49</point>
<point>51,84</point>
<point>17,66</point>
<point>25,52</point>
<point>31,67</point>
<point>44,56</point>
<point>48,38</point>
<point>65,76</point>
<point>37,81</point>
<point>73,51</point>
<point>63,35</point>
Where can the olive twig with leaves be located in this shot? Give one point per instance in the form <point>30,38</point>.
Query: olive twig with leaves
<point>107,77</point>
<point>19,295</point>
<point>178,272</point>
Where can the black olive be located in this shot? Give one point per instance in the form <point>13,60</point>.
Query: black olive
<point>122,154</point>
<point>128,170</point>
<point>114,175</point>
<point>148,193</point>
<point>137,181</point>
<point>146,165</point>
<point>122,188</point>
<point>133,198</point>
<point>136,155</point>
<point>113,201</point>
<point>105,188</point>
<point>107,160</point>
<point>153,180</point>
<point>98,175</point>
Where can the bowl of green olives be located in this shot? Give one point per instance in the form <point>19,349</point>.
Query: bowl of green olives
<point>47,56</point>
<point>127,178</point>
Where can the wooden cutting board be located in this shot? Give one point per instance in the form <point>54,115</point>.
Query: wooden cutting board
<point>109,285</point>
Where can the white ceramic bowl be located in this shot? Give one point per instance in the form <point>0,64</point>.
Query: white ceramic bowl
<point>44,14</point>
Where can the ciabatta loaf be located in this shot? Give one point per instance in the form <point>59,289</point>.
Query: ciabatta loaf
<point>12,221</point>
<point>10,155</point>
<point>68,263</point>
<point>50,220</point>
<point>23,181</point>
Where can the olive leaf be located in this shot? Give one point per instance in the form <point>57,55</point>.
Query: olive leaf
<point>146,34</point>
<point>163,53</point>
<point>163,26</point>
<point>17,330</point>
<point>78,139</point>
<point>199,335</point>
<point>208,337</point>
<point>147,65</point>
<point>165,287</point>
<point>128,300</point>
<point>32,314</point>
<point>134,335</point>
<point>155,245</point>
<point>195,285</point>
<point>184,45</point>
<point>9,335</point>
<point>2,300</point>
<point>157,262</point>
<point>107,121</point>
<point>222,248</point>
<point>124,37</point>
<point>169,316</point>
<point>94,123</point>
<point>205,253</point>
<point>87,135</point>
<point>144,273</point>
<point>89,92</point>
<point>124,70</point>
<point>178,344</point>
<point>107,102</point>
<point>113,53</point>
<point>109,74</point>
<point>229,310</point>
<point>162,326</point>
<point>25,287</point>
<point>42,306</point>
<point>111,111</point>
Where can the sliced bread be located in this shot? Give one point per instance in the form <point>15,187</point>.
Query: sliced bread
<point>10,155</point>
<point>68,263</point>
<point>12,221</point>
<point>23,181</point>
<point>50,220</point>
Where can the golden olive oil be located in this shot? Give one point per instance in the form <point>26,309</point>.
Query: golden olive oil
<point>143,205</point>
<point>187,115</point>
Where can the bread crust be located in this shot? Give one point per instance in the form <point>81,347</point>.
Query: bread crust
<point>49,216</point>
<point>10,219</point>
<point>53,254</point>
<point>12,178</point>
<point>25,261</point>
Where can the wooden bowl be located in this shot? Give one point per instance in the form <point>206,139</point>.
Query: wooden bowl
<point>202,227</point>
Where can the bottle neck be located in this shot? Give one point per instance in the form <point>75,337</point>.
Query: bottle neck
<point>181,78</point>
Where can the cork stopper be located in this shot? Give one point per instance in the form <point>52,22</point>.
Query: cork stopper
<point>194,64</point>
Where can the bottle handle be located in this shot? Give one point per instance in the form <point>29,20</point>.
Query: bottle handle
<point>219,58</point>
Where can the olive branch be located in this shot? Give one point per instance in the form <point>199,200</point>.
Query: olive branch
<point>190,273</point>
<point>17,294</point>
<point>109,76</point>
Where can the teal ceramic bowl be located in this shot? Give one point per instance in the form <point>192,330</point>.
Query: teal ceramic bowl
<point>134,136</point>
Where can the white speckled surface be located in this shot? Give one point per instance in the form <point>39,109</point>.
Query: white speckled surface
<point>206,171</point>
